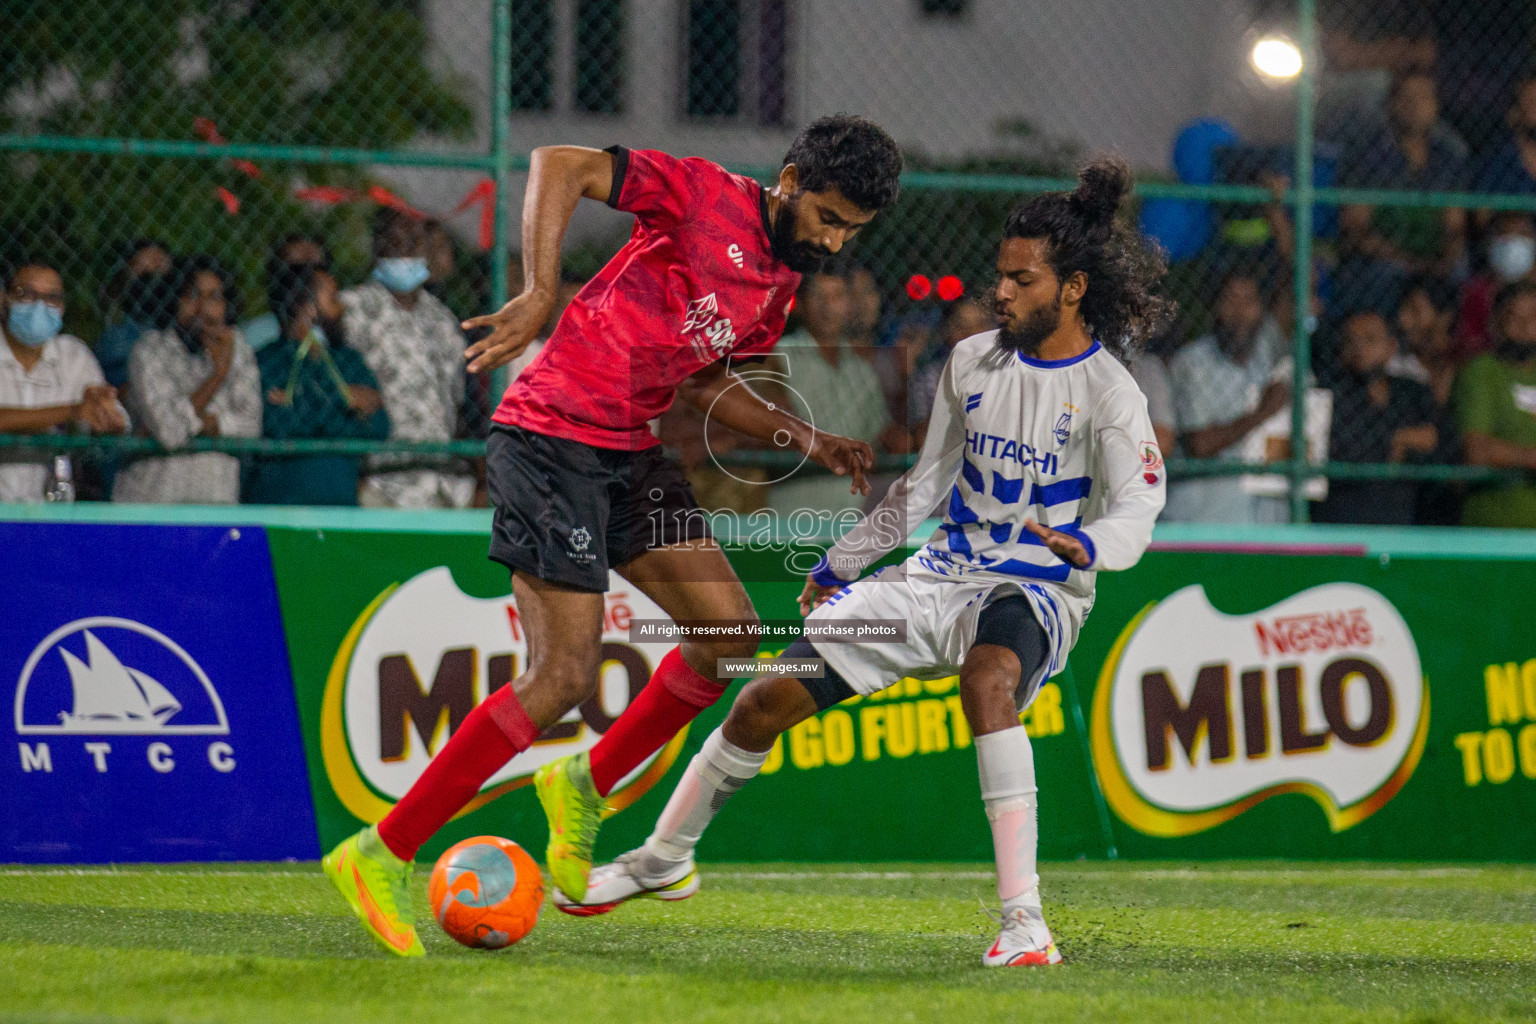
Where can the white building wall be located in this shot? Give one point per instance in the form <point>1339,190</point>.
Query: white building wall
<point>1107,74</point>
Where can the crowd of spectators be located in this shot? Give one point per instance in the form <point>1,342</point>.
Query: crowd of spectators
<point>1418,315</point>
<point>382,360</point>
<point>1423,325</point>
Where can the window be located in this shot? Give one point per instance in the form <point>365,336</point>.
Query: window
<point>600,56</point>
<point>533,35</point>
<point>772,61</point>
<point>738,60</point>
<point>714,58</point>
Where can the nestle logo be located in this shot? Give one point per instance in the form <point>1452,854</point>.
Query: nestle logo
<point>1315,631</point>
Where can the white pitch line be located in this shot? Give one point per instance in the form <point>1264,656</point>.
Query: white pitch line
<point>1288,874</point>
<point>136,873</point>
<point>1149,874</point>
<point>860,876</point>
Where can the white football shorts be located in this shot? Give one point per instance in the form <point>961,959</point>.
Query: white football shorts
<point>941,615</point>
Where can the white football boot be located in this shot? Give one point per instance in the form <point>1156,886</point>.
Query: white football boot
<point>1024,941</point>
<point>634,875</point>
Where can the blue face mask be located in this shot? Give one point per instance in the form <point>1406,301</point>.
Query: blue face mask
<point>402,274</point>
<point>33,323</point>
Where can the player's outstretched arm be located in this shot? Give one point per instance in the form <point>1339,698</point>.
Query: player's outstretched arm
<point>558,178</point>
<point>909,499</point>
<point>728,399</point>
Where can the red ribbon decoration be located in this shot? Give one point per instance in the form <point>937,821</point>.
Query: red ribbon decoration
<point>384,197</point>
<point>210,134</point>
<point>329,195</point>
<point>483,193</point>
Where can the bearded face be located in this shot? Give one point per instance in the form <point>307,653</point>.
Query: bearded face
<point>800,256</point>
<point>1027,333</point>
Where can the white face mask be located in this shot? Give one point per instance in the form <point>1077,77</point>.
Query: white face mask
<point>1512,256</point>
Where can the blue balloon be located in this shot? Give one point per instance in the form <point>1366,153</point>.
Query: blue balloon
<point>1182,227</point>
<point>1194,149</point>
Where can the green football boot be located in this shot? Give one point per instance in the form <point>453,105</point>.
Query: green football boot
<point>377,886</point>
<point>575,812</point>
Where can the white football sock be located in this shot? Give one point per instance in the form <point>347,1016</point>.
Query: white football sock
<point>1007,766</point>
<point>719,769</point>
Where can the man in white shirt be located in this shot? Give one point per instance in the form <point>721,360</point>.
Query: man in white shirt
<point>194,378</point>
<point>829,386</point>
<point>1042,441</point>
<point>49,381</point>
<point>413,345</point>
<point>1225,385</point>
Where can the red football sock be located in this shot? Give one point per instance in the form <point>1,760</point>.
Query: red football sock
<point>490,736</point>
<point>673,698</point>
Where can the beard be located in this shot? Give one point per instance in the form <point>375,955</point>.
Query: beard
<point>1236,343</point>
<point>801,257</point>
<point>1030,333</point>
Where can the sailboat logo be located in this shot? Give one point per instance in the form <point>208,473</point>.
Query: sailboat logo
<point>109,692</point>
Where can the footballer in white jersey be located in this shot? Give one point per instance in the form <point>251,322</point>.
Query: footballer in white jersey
<point>1041,443</point>
<point>1065,443</point>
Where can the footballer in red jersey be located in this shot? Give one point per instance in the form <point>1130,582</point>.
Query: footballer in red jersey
<point>579,484</point>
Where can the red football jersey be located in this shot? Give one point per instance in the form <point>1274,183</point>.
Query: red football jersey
<point>696,282</point>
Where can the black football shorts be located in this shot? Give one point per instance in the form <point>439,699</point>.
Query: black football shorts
<point>567,512</point>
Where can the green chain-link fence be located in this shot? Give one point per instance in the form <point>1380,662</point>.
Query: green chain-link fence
<point>219,127</point>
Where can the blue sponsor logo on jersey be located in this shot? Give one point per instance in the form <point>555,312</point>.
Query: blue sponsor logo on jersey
<point>993,446</point>
<point>972,401</point>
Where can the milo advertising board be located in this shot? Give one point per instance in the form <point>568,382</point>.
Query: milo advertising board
<point>394,638</point>
<point>392,652</point>
<point>1302,705</point>
<point>1284,702</point>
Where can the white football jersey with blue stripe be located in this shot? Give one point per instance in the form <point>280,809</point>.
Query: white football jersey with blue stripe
<point>1067,443</point>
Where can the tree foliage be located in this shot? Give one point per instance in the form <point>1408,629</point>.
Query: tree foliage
<point>347,73</point>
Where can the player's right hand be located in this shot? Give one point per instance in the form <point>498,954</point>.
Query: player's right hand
<point>814,594</point>
<point>844,456</point>
<point>512,328</point>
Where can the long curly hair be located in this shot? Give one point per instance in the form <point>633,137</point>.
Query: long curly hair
<point>1120,308</point>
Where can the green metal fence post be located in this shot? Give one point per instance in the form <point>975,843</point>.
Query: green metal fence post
<point>501,156</point>
<point>1301,352</point>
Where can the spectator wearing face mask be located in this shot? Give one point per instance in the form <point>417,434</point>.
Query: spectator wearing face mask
<point>1496,402</point>
<point>314,387</point>
<point>137,293</point>
<point>413,345</point>
<point>1377,417</point>
<point>1511,254</point>
<point>193,377</point>
<point>295,251</point>
<point>49,381</point>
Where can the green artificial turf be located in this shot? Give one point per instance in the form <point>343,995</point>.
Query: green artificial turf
<point>1143,942</point>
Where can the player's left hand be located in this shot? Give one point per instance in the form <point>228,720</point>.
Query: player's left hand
<point>814,594</point>
<point>845,457</point>
<point>1064,546</point>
